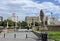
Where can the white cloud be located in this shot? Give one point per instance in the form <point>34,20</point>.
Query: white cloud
<point>58,1</point>
<point>27,8</point>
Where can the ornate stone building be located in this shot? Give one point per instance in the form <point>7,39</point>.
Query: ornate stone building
<point>13,17</point>
<point>1,18</point>
<point>53,21</point>
<point>30,19</point>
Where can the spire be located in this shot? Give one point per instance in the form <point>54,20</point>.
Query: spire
<point>51,14</point>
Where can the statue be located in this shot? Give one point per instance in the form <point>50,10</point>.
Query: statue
<point>43,26</point>
<point>42,17</point>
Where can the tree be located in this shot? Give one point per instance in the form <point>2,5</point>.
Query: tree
<point>37,24</point>
<point>23,24</point>
<point>31,24</point>
<point>1,23</point>
<point>19,24</point>
<point>46,23</point>
<point>10,23</point>
<point>5,23</point>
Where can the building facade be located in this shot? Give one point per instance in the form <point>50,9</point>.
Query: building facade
<point>1,18</point>
<point>13,17</point>
<point>48,20</point>
<point>53,21</point>
<point>29,20</point>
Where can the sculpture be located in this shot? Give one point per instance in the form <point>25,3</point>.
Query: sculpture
<point>43,26</point>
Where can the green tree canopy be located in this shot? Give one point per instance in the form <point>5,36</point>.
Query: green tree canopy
<point>19,23</point>
<point>37,23</point>
<point>1,23</point>
<point>23,24</point>
<point>10,23</point>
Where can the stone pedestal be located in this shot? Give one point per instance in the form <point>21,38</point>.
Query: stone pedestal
<point>44,37</point>
<point>43,27</point>
<point>44,33</point>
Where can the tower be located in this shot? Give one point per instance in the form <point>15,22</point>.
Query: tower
<point>14,17</point>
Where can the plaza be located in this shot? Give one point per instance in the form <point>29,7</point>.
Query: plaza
<point>20,36</point>
<point>13,31</point>
<point>29,20</point>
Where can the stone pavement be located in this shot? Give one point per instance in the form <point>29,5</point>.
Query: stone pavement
<point>10,39</point>
<point>6,39</point>
<point>20,36</point>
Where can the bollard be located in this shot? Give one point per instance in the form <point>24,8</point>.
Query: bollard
<point>26,35</point>
<point>4,35</point>
<point>44,37</point>
<point>14,35</point>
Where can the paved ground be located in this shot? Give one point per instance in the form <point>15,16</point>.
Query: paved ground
<point>20,36</point>
<point>4,39</point>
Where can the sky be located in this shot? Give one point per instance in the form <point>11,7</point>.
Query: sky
<point>24,8</point>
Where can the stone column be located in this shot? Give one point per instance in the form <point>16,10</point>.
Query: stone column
<point>33,22</point>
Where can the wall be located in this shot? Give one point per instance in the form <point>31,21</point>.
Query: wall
<point>53,27</point>
<point>50,28</point>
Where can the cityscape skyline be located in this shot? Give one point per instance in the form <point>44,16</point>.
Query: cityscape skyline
<point>24,8</point>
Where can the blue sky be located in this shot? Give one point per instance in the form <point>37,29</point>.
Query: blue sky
<point>24,8</point>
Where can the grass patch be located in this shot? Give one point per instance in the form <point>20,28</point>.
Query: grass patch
<point>53,35</point>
